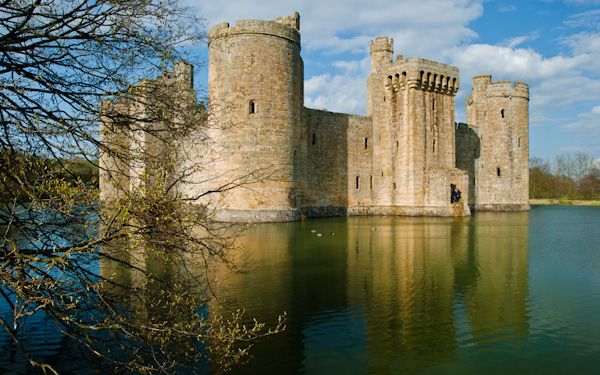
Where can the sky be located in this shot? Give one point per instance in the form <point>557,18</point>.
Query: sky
<point>553,45</point>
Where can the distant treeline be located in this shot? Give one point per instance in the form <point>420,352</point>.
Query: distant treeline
<point>575,176</point>
<point>19,170</point>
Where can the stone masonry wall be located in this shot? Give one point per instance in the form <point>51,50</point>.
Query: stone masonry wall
<point>336,156</point>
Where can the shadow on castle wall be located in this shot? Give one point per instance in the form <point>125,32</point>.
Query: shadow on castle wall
<point>468,148</point>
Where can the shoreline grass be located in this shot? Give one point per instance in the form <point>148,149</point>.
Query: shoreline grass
<point>563,202</point>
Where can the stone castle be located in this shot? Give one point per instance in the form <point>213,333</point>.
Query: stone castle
<point>290,161</point>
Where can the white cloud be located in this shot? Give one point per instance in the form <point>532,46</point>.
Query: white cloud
<point>347,25</point>
<point>586,44</point>
<point>344,91</point>
<point>517,63</point>
<point>587,122</point>
<point>518,40</point>
<point>588,19</point>
<point>587,129</point>
<point>556,83</point>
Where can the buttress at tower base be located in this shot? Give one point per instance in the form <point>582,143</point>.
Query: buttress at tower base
<point>266,157</point>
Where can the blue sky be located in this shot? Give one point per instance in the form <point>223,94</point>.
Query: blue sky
<point>553,45</point>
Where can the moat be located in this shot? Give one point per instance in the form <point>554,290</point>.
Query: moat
<point>493,293</point>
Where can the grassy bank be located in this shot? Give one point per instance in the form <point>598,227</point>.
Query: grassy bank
<point>563,202</point>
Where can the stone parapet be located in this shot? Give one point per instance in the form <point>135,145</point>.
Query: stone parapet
<point>273,28</point>
<point>507,89</point>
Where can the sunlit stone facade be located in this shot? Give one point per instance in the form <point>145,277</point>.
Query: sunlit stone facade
<point>399,159</point>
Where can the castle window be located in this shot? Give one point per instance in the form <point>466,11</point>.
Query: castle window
<point>314,139</point>
<point>498,171</point>
<point>357,181</point>
<point>394,186</point>
<point>519,142</point>
<point>433,104</point>
<point>502,113</point>
<point>366,143</point>
<point>371,182</point>
<point>434,146</point>
<point>252,107</point>
<point>397,145</point>
<point>381,173</point>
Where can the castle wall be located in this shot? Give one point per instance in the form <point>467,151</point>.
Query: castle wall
<point>265,157</point>
<point>140,134</point>
<point>363,182</point>
<point>336,155</point>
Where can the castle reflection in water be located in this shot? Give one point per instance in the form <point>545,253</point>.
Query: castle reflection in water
<point>378,294</point>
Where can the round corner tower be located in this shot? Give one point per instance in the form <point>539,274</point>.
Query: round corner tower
<point>255,88</point>
<point>502,118</point>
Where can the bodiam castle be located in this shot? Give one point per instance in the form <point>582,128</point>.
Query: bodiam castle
<point>269,158</point>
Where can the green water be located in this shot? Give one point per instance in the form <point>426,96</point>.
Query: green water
<point>513,293</point>
<point>496,293</point>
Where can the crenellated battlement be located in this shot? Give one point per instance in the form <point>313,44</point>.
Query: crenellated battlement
<point>501,88</point>
<point>291,21</point>
<point>482,78</point>
<point>521,89</point>
<point>382,43</point>
<point>286,27</point>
